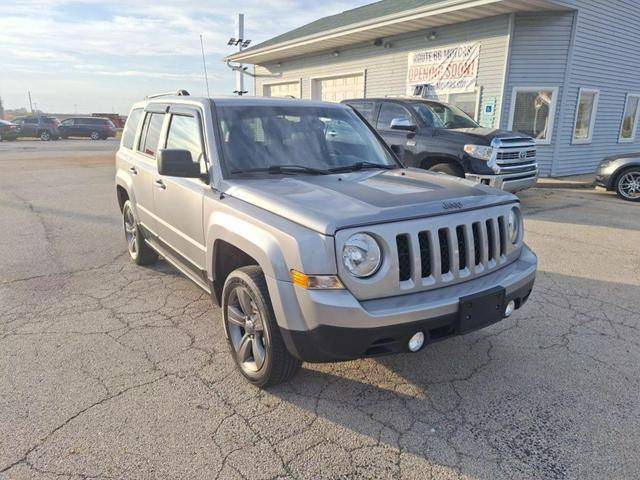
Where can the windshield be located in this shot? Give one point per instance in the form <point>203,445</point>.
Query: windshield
<point>295,139</point>
<point>443,116</point>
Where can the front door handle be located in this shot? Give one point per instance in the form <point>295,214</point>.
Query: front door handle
<point>133,170</point>
<point>160,184</point>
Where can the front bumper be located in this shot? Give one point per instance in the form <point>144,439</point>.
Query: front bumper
<point>322,326</point>
<point>510,183</point>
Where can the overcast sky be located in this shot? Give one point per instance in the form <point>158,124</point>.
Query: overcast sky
<point>102,55</point>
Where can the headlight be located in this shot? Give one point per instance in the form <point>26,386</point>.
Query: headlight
<point>514,225</point>
<point>361,255</point>
<point>479,151</point>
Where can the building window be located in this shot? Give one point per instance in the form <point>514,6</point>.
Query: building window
<point>533,111</point>
<point>630,118</point>
<point>585,115</point>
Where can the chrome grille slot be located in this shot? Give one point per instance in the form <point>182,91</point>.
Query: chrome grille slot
<point>404,257</point>
<point>445,254</point>
<point>425,254</point>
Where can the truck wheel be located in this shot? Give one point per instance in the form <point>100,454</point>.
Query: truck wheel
<point>251,329</point>
<point>628,185</point>
<point>45,136</point>
<point>449,169</point>
<point>139,251</point>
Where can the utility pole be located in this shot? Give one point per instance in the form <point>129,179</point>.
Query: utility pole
<point>240,43</point>
<point>30,104</point>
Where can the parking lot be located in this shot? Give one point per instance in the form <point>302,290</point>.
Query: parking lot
<point>108,370</point>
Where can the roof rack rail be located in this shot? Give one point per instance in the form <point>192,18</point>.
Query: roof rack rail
<point>179,93</point>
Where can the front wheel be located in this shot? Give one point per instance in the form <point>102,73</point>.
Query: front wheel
<point>251,329</point>
<point>449,169</point>
<point>628,185</point>
<point>139,251</point>
<point>95,136</point>
<point>45,136</point>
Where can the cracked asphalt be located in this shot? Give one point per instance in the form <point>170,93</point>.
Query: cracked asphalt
<point>108,370</point>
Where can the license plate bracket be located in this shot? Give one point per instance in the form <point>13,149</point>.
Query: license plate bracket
<point>481,309</point>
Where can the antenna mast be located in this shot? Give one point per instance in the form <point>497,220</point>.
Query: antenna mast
<point>204,65</point>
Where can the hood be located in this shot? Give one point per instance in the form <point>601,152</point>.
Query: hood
<point>487,134</point>
<point>327,203</point>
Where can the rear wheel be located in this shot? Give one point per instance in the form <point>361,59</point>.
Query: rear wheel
<point>45,136</point>
<point>95,136</point>
<point>251,329</point>
<point>628,185</point>
<point>139,251</point>
<point>449,169</point>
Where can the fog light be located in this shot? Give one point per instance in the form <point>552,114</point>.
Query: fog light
<point>511,306</point>
<point>416,342</point>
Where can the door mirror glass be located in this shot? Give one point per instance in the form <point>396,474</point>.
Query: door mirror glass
<point>403,124</point>
<point>177,163</point>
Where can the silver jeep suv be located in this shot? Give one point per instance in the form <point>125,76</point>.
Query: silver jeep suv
<point>318,244</point>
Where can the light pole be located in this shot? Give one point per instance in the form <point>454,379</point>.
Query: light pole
<point>240,42</point>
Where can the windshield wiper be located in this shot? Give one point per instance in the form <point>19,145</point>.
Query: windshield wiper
<point>283,170</point>
<point>360,166</point>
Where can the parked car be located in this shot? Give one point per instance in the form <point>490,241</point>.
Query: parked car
<point>37,126</point>
<point>441,137</point>
<point>8,130</point>
<point>621,173</point>
<point>319,247</point>
<point>94,128</point>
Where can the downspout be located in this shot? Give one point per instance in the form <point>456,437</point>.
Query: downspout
<point>564,96</point>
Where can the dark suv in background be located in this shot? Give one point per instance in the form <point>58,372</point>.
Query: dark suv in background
<point>441,137</point>
<point>91,127</point>
<point>42,127</point>
<point>8,130</point>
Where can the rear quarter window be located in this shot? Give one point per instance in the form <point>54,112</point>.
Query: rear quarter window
<point>131,127</point>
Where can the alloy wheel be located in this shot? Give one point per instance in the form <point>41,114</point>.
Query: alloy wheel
<point>131,233</point>
<point>95,136</point>
<point>629,185</point>
<point>246,330</point>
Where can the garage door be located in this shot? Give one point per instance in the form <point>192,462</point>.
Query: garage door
<point>289,89</point>
<point>336,89</point>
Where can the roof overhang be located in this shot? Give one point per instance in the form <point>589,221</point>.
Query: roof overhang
<point>446,12</point>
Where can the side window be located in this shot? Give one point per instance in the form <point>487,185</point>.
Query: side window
<point>184,134</point>
<point>67,123</point>
<point>130,129</point>
<point>151,133</point>
<point>364,108</point>
<point>31,121</point>
<point>389,112</point>
<point>339,131</point>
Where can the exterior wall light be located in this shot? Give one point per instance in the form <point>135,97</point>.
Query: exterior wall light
<point>432,36</point>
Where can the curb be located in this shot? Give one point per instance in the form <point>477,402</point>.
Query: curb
<point>564,185</point>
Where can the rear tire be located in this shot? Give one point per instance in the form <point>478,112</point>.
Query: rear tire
<point>627,185</point>
<point>449,169</point>
<point>45,136</point>
<point>95,136</point>
<point>254,338</point>
<point>139,251</point>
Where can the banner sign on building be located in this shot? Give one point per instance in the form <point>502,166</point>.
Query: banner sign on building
<point>452,69</point>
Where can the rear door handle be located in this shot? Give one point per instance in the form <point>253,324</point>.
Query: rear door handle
<point>133,170</point>
<point>160,184</point>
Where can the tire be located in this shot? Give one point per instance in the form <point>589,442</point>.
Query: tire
<point>95,136</point>
<point>254,338</point>
<point>627,184</point>
<point>45,136</point>
<point>139,251</point>
<point>449,169</point>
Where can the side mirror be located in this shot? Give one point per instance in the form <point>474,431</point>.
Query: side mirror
<point>403,124</point>
<point>398,150</point>
<point>177,163</point>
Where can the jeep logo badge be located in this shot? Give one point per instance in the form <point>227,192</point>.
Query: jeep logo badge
<point>452,205</point>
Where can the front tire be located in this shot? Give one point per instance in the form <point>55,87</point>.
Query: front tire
<point>628,185</point>
<point>95,136</point>
<point>449,169</point>
<point>139,251</point>
<point>45,136</point>
<point>252,332</point>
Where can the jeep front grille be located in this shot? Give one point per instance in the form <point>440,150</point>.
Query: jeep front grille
<point>484,242</point>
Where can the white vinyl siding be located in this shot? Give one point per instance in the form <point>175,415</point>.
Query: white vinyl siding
<point>282,89</point>
<point>338,87</point>
<point>585,115</point>
<point>629,124</point>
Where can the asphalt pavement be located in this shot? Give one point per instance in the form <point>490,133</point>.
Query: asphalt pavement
<point>109,370</point>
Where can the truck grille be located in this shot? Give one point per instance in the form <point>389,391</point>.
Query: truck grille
<point>484,242</point>
<point>517,156</point>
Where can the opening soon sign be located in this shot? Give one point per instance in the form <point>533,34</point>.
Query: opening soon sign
<point>452,69</point>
